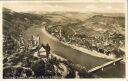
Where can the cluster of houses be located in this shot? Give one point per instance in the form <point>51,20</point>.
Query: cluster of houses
<point>105,46</point>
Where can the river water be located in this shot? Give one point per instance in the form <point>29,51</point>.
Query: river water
<point>77,56</point>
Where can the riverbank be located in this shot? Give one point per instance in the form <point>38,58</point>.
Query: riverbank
<point>93,53</point>
<point>109,71</point>
<point>77,57</point>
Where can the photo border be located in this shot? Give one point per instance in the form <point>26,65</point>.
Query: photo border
<point>64,1</point>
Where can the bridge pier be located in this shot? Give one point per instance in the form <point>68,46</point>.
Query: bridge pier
<point>114,63</point>
<point>102,69</point>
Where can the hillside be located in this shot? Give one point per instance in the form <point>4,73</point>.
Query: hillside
<point>102,33</point>
<point>19,60</point>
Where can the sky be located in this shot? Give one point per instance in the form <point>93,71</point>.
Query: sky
<point>103,6</point>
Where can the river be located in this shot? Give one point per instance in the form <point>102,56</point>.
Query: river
<point>76,56</point>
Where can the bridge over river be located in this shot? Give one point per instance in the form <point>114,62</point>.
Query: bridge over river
<point>101,67</point>
<point>76,56</point>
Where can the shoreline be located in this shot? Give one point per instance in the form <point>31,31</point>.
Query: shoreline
<point>93,53</point>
